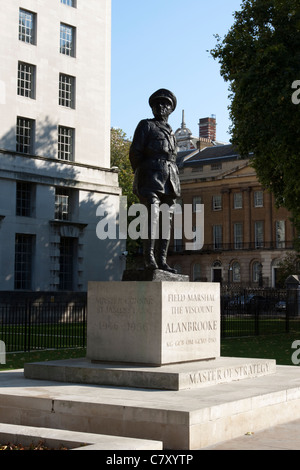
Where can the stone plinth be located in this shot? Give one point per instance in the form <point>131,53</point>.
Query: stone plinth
<point>153,323</point>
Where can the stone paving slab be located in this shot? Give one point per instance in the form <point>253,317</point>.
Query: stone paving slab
<point>184,419</point>
<point>282,437</point>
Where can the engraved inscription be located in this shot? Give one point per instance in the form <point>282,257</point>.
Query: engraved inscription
<point>194,320</point>
<point>233,373</point>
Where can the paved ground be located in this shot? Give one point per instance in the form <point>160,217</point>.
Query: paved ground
<point>282,437</point>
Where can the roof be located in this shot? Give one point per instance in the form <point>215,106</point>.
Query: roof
<point>215,153</point>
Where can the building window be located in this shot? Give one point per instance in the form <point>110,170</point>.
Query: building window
<point>216,166</point>
<point>66,91</point>
<point>197,169</point>
<point>217,202</point>
<point>238,236</point>
<point>257,272</point>
<point>237,200</point>
<point>197,200</point>
<point>67,40</point>
<point>217,237</point>
<point>197,272</point>
<point>27,26</point>
<point>70,3</point>
<point>258,199</point>
<point>24,199</point>
<point>24,135</point>
<point>236,272</point>
<point>23,261</point>
<point>62,204</point>
<point>26,80</point>
<point>259,234</point>
<point>66,263</point>
<point>65,143</point>
<point>280,234</point>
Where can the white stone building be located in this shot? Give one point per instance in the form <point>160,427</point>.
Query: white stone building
<point>55,145</point>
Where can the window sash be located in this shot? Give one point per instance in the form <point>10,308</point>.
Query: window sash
<point>70,3</point>
<point>217,236</point>
<point>65,143</point>
<point>24,199</point>
<point>237,200</point>
<point>62,205</point>
<point>23,261</point>
<point>67,40</point>
<point>26,26</point>
<point>24,135</point>
<point>280,234</point>
<point>217,202</point>
<point>238,236</point>
<point>258,199</point>
<point>26,75</point>
<point>66,90</point>
<point>259,234</point>
<point>66,263</point>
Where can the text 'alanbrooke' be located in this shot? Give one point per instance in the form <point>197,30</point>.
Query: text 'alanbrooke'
<point>114,222</point>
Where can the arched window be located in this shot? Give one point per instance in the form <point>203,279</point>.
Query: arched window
<point>236,272</point>
<point>256,271</point>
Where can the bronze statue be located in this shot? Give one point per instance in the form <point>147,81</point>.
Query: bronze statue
<point>153,158</point>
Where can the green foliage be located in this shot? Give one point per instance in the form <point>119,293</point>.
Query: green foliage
<point>119,153</point>
<point>287,267</point>
<point>260,58</point>
<point>120,146</point>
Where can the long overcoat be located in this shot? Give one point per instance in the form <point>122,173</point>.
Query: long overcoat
<point>153,155</point>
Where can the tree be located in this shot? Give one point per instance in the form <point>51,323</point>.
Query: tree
<point>260,58</point>
<point>287,267</point>
<point>119,154</point>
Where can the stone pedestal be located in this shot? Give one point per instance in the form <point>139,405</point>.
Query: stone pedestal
<point>153,323</point>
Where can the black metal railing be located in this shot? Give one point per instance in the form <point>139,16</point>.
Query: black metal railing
<point>244,312</point>
<point>247,312</point>
<point>238,246</point>
<point>33,326</point>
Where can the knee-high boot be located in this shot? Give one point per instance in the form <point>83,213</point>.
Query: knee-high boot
<point>149,257</point>
<point>162,256</point>
<point>149,243</point>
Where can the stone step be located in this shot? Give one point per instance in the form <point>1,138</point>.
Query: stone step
<point>184,376</point>
<point>185,419</point>
<point>55,438</point>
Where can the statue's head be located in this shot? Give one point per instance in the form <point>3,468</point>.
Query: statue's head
<point>163,102</point>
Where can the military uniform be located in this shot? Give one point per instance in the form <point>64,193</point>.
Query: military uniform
<point>153,158</point>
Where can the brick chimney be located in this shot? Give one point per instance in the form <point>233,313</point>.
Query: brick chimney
<point>207,128</point>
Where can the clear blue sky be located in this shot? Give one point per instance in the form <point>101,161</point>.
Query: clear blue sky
<point>163,44</point>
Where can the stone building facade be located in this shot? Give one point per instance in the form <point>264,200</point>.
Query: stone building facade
<point>245,235</point>
<point>55,145</point>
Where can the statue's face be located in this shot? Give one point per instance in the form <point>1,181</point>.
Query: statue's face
<point>162,108</point>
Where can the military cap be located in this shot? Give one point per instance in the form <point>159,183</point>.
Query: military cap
<point>163,93</point>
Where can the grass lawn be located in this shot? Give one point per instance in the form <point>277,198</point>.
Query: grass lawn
<point>17,360</point>
<point>277,347</point>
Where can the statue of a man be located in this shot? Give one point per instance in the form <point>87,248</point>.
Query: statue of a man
<point>153,158</point>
